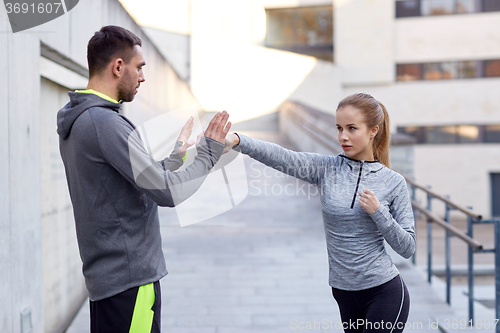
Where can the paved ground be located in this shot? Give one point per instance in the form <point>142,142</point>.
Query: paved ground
<point>262,267</point>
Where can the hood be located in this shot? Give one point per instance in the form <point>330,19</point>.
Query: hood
<point>78,104</point>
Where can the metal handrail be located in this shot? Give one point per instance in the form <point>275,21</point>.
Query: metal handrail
<point>473,245</point>
<point>449,227</point>
<point>311,128</point>
<point>312,132</point>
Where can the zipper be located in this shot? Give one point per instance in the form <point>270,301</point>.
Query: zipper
<point>357,185</point>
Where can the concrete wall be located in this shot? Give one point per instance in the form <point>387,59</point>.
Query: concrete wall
<point>363,41</point>
<point>369,40</point>
<point>63,283</point>
<point>461,171</point>
<point>39,264</point>
<point>20,254</point>
<point>466,101</point>
<point>447,37</point>
<point>5,227</point>
<point>175,47</point>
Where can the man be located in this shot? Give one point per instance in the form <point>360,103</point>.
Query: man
<point>116,188</point>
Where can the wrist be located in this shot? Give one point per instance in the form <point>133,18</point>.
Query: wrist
<point>236,139</point>
<point>375,210</point>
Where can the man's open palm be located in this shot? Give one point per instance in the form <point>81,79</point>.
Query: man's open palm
<point>218,127</point>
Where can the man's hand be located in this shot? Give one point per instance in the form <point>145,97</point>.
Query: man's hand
<point>184,136</point>
<point>218,129</point>
<point>368,201</point>
<point>231,141</point>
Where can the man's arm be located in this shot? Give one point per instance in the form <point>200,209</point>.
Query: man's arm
<point>184,184</point>
<point>179,153</point>
<point>174,161</point>
<point>122,148</point>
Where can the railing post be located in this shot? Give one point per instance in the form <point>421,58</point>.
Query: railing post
<point>429,240</point>
<point>473,245</point>
<point>414,197</point>
<point>448,258</point>
<point>471,272</point>
<point>497,272</point>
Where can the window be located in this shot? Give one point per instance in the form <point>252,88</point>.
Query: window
<point>492,133</point>
<point>492,68</point>
<point>305,30</point>
<point>448,70</point>
<point>453,134</point>
<point>467,134</point>
<point>491,5</point>
<point>495,194</point>
<point>409,72</point>
<point>417,132</point>
<point>408,8</point>
<point>448,7</point>
<point>440,71</point>
<point>441,134</point>
<point>469,69</point>
<point>437,7</point>
<point>466,6</point>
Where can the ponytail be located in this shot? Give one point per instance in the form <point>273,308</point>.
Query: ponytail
<point>381,140</point>
<point>374,114</point>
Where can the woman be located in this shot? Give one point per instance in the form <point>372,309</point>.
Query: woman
<point>363,203</point>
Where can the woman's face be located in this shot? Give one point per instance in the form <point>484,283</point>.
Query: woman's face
<point>354,135</point>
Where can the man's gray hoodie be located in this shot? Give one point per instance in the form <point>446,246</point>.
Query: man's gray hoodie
<point>116,209</point>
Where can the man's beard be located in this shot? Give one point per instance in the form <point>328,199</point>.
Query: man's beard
<point>124,92</point>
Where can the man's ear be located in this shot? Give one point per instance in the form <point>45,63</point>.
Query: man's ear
<point>374,131</point>
<point>117,67</point>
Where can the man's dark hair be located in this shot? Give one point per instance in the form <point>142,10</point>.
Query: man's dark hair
<point>108,43</point>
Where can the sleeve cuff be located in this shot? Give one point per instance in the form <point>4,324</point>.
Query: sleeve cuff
<point>244,142</point>
<point>215,146</point>
<point>185,155</point>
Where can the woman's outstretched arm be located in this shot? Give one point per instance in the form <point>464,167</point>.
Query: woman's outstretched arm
<point>309,167</point>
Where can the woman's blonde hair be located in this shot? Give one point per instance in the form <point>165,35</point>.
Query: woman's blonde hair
<point>374,114</point>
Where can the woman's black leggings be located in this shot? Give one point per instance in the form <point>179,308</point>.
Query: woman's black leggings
<point>379,309</point>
